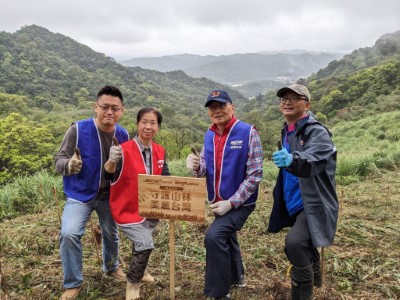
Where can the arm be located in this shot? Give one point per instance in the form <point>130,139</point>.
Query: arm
<point>66,151</point>
<point>254,171</point>
<point>111,170</point>
<point>318,149</point>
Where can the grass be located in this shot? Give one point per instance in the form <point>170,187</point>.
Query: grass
<point>363,263</point>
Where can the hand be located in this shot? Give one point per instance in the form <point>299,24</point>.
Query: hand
<point>221,207</point>
<point>282,158</point>
<point>115,154</point>
<point>115,151</point>
<point>193,160</point>
<point>75,163</point>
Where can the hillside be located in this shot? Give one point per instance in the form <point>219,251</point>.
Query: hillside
<point>362,83</point>
<point>387,47</point>
<point>250,73</point>
<point>51,68</point>
<point>363,263</point>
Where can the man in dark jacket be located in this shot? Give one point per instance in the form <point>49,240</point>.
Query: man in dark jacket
<point>304,196</point>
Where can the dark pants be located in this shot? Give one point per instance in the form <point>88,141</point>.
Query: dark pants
<point>223,259</point>
<point>298,244</point>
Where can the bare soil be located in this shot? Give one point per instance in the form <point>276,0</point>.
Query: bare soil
<point>364,262</point>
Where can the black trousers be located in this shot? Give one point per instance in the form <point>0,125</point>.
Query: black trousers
<point>298,244</point>
<point>223,258</point>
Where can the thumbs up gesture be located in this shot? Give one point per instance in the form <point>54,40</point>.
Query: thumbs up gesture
<point>115,151</point>
<point>75,163</point>
<point>193,160</point>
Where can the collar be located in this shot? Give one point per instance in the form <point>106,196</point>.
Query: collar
<point>300,122</point>
<point>141,146</point>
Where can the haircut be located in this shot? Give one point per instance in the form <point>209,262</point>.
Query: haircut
<point>146,110</point>
<point>111,91</point>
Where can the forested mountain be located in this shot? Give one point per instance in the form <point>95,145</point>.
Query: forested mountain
<point>48,80</point>
<point>363,83</point>
<point>51,69</point>
<point>250,73</point>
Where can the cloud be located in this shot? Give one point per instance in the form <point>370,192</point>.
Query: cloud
<point>124,29</point>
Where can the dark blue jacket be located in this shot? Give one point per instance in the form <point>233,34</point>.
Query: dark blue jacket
<point>314,162</point>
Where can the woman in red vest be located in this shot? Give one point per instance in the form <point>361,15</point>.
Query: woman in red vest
<point>139,156</point>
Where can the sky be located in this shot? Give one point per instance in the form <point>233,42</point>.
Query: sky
<point>126,29</point>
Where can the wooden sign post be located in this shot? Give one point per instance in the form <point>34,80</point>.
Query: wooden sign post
<point>173,198</point>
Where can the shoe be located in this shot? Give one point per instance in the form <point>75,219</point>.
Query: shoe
<point>226,297</point>
<point>147,277</point>
<point>118,275</point>
<point>132,291</point>
<point>241,283</point>
<point>70,294</point>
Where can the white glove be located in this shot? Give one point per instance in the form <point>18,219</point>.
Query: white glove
<point>115,153</point>
<point>193,162</point>
<point>221,207</point>
<point>75,163</point>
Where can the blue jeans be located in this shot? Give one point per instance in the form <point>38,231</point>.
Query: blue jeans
<point>75,216</point>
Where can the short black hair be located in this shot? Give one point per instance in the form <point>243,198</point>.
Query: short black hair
<point>146,110</point>
<point>110,90</point>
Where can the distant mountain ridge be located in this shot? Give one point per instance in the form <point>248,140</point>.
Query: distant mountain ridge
<point>242,69</point>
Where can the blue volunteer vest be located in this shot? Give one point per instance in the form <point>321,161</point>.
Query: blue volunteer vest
<point>84,186</point>
<point>233,165</point>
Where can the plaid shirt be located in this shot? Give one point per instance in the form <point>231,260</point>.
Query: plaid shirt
<point>254,170</point>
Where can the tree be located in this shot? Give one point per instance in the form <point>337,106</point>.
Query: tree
<point>25,147</point>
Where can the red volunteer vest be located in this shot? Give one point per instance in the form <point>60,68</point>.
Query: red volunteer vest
<point>124,202</point>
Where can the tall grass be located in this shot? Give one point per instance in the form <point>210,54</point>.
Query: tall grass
<point>30,194</point>
<point>367,147</point>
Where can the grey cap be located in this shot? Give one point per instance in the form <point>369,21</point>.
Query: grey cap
<point>297,88</point>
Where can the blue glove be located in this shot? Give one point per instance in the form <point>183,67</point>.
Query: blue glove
<point>282,158</point>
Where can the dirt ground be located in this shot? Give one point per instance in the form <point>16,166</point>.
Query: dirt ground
<point>364,262</point>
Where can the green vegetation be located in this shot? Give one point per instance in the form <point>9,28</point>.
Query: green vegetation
<point>48,81</point>
<point>368,146</point>
<point>363,263</point>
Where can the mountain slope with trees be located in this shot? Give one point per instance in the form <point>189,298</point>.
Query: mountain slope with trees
<point>340,92</point>
<point>51,68</point>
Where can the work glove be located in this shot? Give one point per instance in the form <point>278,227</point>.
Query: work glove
<point>75,163</point>
<point>115,151</point>
<point>282,158</point>
<point>221,207</point>
<point>193,160</point>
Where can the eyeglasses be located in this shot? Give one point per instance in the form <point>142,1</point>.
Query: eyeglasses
<point>284,100</point>
<point>105,108</point>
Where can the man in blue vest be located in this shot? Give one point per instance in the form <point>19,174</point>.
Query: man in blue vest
<point>231,159</point>
<point>86,146</point>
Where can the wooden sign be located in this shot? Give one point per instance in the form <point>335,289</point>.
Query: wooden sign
<point>172,197</point>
